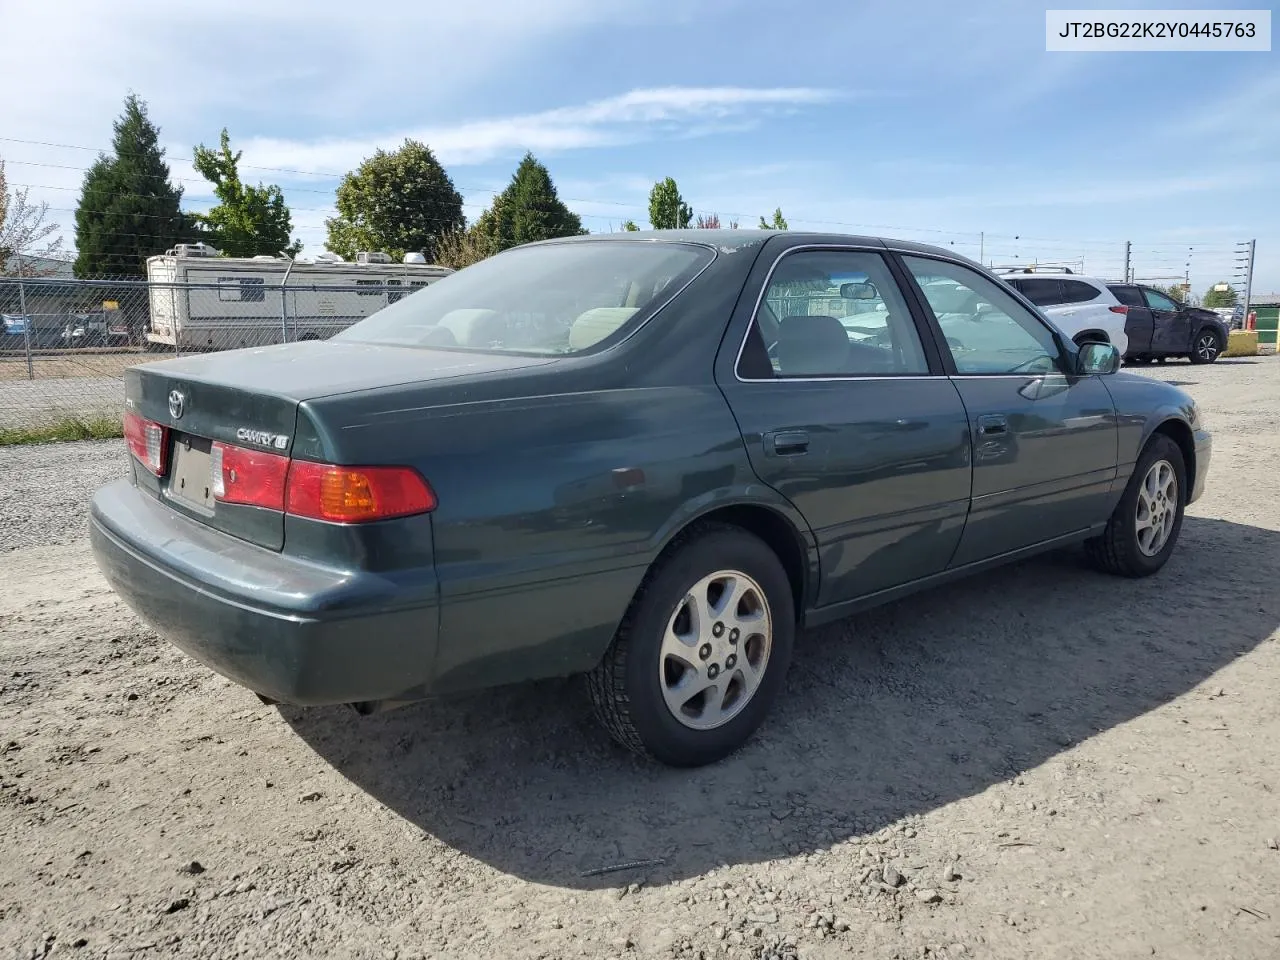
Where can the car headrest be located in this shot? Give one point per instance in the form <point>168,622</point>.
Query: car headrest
<point>594,325</point>
<point>812,346</point>
<point>470,328</point>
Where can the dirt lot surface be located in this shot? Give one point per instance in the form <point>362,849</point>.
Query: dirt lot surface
<point>73,385</point>
<point>1041,762</point>
<point>73,364</point>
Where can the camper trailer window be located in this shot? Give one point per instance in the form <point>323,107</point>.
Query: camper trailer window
<point>241,289</point>
<point>369,283</point>
<point>394,295</point>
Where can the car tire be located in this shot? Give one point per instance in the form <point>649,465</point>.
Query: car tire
<point>1145,524</point>
<point>664,651</point>
<point>1206,348</point>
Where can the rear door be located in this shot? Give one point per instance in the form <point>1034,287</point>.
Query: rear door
<point>1045,443</point>
<point>1171,329</point>
<point>845,410</point>
<point>1138,323</point>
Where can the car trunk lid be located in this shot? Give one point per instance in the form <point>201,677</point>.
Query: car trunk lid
<point>250,399</point>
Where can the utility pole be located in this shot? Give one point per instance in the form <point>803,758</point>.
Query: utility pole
<point>982,246</point>
<point>1128,249</point>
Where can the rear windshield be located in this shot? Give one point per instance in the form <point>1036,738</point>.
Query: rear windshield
<point>560,298</point>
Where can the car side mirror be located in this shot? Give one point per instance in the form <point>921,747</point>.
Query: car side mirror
<point>1098,358</point>
<point>858,291</point>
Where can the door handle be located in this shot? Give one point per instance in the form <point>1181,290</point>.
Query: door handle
<point>992,425</point>
<point>786,443</point>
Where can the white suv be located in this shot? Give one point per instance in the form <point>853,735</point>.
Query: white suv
<point>1081,307</point>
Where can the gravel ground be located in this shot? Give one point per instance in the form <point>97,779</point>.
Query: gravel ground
<point>1041,762</point>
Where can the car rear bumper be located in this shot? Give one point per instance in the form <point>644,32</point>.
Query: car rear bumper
<point>290,630</point>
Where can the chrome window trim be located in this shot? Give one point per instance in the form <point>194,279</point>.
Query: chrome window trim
<point>1053,331</point>
<point>755,312</point>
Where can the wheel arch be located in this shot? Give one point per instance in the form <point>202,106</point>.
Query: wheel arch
<point>1102,336</point>
<point>785,535</point>
<point>1179,431</point>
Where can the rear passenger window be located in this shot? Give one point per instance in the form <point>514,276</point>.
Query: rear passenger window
<point>1128,295</point>
<point>1074,291</point>
<point>835,313</point>
<point>1042,292</point>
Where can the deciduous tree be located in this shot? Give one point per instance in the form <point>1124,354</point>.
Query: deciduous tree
<point>667,209</point>
<point>396,203</point>
<point>248,221</point>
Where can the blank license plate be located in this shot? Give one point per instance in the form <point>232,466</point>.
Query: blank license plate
<point>192,478</point>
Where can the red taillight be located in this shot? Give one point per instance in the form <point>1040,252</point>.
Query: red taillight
<point>317,491</point>
<point>1119,308</point>
<point>146,440</point>
<point>356,494</point>
<point>248,476</point>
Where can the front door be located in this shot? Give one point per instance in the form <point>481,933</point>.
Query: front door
<point>1172,329</point>
<point>847,414</point>
<point>1138,323</point>
<point>1044,442</point>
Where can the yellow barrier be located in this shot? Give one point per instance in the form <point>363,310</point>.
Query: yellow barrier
<point>1242,343</point>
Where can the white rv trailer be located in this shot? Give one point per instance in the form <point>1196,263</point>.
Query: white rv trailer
<point>203,301</point>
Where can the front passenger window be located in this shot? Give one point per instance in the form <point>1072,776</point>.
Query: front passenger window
<point>987,331</point>
<point>836,313</point>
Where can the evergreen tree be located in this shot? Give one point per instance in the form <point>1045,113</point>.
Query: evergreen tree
<point>249,220</point>
<point>529,209</point>
<point>128,208</point>
<point>396,203</point>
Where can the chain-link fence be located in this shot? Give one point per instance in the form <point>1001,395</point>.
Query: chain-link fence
<point>66,343</point>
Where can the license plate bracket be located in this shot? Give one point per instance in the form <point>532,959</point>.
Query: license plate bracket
<point>191,480</point>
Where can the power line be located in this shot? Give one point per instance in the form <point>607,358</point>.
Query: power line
<point>631,207</point>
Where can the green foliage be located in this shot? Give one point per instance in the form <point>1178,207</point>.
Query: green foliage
<point>667,209</point>
<point>249,220</point>
<point>629,226</point>
<point>396,203</point>
<point>528,210</point>
<point>1174,291</point>
<point>64,429</point>
<point>128,208</point>
<point>1214,299</point>
<point>461,248</point>
<point>778,223</point>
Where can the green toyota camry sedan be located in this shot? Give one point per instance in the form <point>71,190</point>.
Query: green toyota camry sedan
<point>645,458</point>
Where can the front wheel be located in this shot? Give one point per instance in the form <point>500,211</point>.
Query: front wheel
<point>1206,348</point>
<point>701,653</point>
<point>1145,524</point>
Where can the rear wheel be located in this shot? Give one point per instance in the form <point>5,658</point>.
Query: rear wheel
<point>1206,347</point>
<point>702,652</point>
<point>1146,522</point>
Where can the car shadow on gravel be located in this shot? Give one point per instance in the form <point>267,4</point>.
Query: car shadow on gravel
<point>894,713</point>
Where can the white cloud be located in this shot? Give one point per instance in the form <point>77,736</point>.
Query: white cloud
<point>632,117</point>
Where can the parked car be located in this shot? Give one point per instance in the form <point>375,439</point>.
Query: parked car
<point>1160,327</point>
<point>1083,308</point>
<point>617,456</point>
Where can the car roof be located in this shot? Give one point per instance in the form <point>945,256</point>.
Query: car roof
<point>742,239</point>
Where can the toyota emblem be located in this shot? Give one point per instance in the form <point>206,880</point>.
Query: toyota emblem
<point>176,403</point>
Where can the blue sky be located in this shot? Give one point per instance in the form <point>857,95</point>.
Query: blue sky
<point>935,121</point>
